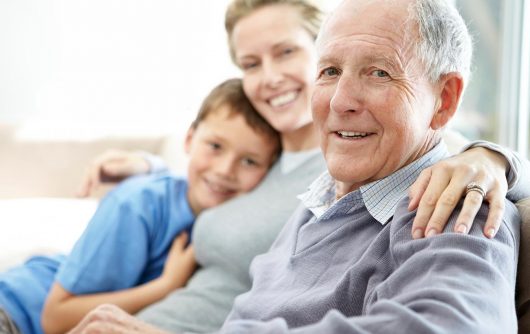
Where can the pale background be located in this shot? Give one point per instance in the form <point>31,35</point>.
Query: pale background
<point>79,68</point>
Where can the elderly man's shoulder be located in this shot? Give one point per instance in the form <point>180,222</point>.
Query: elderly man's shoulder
<point>508,233</point>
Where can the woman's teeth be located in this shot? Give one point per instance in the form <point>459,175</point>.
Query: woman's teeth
<point>283,99</point>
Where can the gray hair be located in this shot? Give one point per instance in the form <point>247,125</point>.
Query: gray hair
<point>445,44</point>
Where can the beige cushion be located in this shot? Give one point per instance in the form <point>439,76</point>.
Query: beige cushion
<point>523,274</point>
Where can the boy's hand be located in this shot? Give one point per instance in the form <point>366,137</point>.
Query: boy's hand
<point>180,263</point>
<point>112,166</point>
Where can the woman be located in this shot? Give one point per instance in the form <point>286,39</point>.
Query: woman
<point>273,43</point>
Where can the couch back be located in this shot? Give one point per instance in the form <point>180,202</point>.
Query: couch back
<point>48,167</point>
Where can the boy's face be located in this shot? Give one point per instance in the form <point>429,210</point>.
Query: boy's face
<point>227,158</point>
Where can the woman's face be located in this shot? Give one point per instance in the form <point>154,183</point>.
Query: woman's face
<point>278,59</point>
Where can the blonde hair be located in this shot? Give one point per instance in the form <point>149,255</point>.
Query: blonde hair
<point>311,16</point>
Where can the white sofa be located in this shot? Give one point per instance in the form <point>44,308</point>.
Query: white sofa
<point>39,176</point>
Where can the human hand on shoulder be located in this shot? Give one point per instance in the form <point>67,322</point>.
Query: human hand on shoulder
<point>112,166</point>
<point>439,188</point>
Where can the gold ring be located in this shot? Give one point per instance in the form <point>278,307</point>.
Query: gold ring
<point>473,186</point>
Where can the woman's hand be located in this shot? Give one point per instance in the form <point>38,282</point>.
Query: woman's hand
<point>112,166</point>
<point>439,188</point>
<point>180,263</point>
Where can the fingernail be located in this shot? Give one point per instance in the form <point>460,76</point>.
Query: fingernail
<point>461,228</point>
<point>431,233</point>
<point>491,233</point>
<point>417,234</point>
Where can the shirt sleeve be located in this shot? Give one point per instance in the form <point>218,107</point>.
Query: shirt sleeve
<point>444,284</point>
<point>113,250</point>
<point>518,175</point>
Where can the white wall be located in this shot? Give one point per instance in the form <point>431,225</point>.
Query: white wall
<point>140,65</point>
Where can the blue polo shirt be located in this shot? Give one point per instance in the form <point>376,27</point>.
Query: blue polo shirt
<point>124,245</point>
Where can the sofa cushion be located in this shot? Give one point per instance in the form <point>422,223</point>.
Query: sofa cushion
<point>41,226</point>
<point>523,274</point>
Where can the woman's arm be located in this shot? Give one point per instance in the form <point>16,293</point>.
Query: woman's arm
<point>63,310</point>
<point>116,165</point>
<point>500,172</point>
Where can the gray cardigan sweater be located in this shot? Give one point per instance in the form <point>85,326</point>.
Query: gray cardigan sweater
<point>343,271</point>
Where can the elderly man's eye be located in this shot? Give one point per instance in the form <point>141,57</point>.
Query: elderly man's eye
<point>329,72</point>
<point>380,74</point>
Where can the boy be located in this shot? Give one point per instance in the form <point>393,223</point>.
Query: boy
<point>128,255</point>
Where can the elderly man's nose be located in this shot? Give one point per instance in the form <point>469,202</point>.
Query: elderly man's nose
<point>346,96</point>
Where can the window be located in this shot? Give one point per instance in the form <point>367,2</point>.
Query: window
<point>495,105</point>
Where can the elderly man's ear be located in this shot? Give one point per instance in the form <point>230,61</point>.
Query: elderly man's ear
<point>450,88</point>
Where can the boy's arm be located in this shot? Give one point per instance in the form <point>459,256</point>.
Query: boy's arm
<point>63,310</point>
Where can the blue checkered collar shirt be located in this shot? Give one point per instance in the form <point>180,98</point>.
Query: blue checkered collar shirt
<point>380,197</point>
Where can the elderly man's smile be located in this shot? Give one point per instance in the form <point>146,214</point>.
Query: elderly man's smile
<point>353,134</point>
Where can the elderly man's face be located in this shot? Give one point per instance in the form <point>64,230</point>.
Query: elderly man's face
<point>373,103</point>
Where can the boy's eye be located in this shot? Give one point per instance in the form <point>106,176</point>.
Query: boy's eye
<point>249,162</point>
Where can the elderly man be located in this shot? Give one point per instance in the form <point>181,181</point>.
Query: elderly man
<point>390,77</point>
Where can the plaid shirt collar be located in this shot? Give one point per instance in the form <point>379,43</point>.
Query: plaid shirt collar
<point>379,197</point>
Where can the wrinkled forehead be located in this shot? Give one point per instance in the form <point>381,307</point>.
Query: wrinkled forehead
<point>387,20</point>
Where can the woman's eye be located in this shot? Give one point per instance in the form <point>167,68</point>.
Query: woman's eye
<point>380,74</point>
<point>214,146</point>
<point>248,66</point>
<point>287,51</point>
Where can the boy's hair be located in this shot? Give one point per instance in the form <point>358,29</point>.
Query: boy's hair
<point>311,15</point>
<point>230,94</point>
